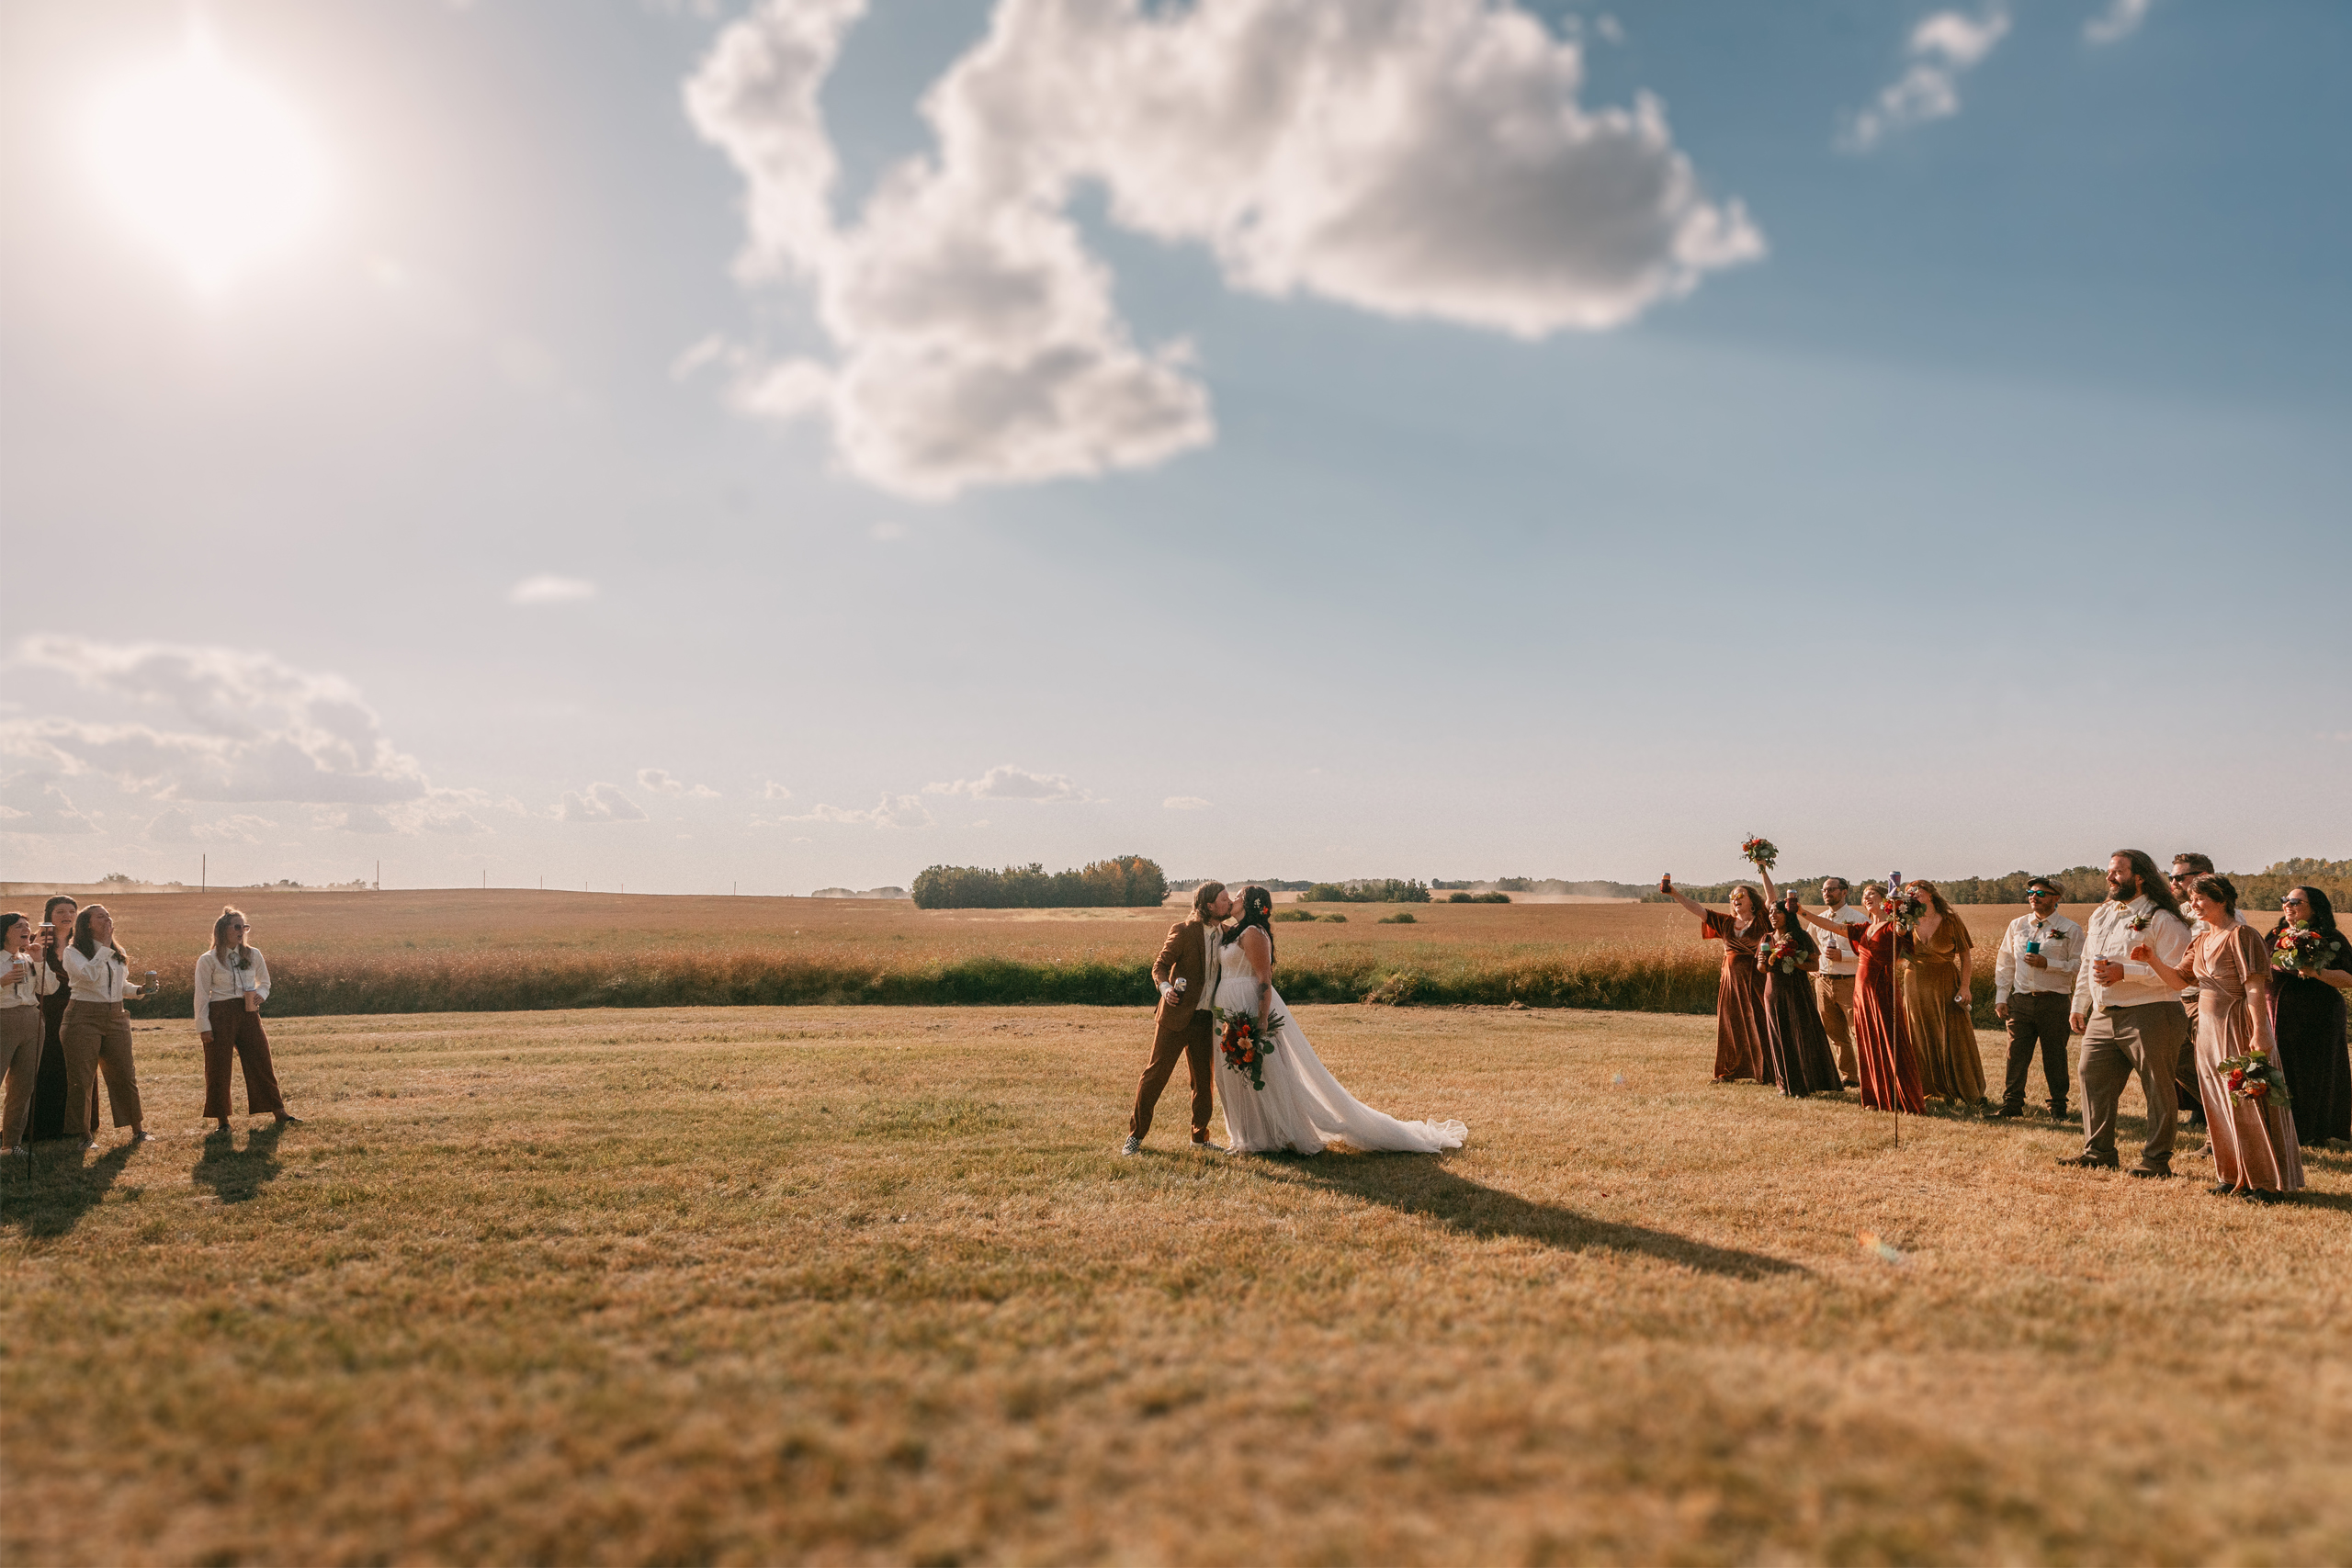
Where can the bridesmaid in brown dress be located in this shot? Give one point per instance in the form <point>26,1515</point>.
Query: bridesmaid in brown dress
<point>1740,1026</point>
<point>2254,1149</point>
<point>1798,1046</point>
<point>1890,1069</point>
<point>1941,953</point>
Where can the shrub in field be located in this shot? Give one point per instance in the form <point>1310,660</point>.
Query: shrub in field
<point>1388,890</point>
<point>1286,917</point>
<point>1478,898</point>
<point>1401,918</point>
<point>1123,882</point>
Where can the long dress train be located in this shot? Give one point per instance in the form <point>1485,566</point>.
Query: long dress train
<point>1302,1108</point>
<point>2254,1145</point>
<point>1890,1070</point>
<point>1740,1027</point>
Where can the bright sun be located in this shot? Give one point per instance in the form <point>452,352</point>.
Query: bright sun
<point>205,165</point>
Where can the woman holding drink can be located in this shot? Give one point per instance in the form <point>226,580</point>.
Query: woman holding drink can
<point>98,1032</point>
<point>56,989</point>
<point>231,982</point>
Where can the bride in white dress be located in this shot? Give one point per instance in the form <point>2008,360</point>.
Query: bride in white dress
<point>1302,1108</point>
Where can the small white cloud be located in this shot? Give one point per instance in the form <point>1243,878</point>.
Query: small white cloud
<point>548,589</point>
<point>2118,21</point>
<point>775,790</point>
<point>887,530</point>
<point>659,780</point>
<point>902,811</point>
<point>711,350</point>
<point>602,803</point>
<point>1185,803</point>
<point>1942,48</point>
<point>1009,783</point>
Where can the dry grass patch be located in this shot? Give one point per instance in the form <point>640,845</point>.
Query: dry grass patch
<point>867,1285</point>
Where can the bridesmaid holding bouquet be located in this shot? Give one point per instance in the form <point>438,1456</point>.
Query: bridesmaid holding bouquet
<point>1740,1027</point>
<point>1798,1045</point>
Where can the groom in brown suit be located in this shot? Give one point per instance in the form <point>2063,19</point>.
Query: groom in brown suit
<point>1185,973</point>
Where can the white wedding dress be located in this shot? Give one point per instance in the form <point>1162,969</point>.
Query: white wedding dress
<point>1302,1108</point>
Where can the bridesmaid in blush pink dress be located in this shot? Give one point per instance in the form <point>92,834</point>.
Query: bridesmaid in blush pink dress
<point>2255,1150</point>
<point>1740,1024</point>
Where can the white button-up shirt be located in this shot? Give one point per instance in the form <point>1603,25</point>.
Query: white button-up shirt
<point>1837,956</point>
<point>98,978</point>
<point>220,982</point>
<point>2062,949</point>
<point>2111,938</point>
<point>28,986</point>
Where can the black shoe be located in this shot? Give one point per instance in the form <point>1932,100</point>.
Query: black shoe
<point>2091,1162</point>
<point>2010,1113</point>
<point>2058,1113</point>
<point>2151,1172</point>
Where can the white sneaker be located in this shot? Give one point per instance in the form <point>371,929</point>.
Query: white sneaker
<point>1134,1145</point>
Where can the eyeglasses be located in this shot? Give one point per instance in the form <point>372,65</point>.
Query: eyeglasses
<point>2038,893</point>
<point>2178,877</point>
<point>2293,902</point>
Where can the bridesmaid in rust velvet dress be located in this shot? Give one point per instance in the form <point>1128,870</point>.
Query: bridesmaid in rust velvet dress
<point>1740,1027</point>
<point>1890,1067</point>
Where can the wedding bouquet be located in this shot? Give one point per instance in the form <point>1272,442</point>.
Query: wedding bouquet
<point>1904,907</point>
<point>1784,953</point>
<point>1760,851</point>
<point>2299,950</point>
<point>2256,1077</point>
<point>1245,1049</point>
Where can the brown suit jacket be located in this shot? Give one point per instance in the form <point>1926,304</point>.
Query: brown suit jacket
<point>1183,956</point>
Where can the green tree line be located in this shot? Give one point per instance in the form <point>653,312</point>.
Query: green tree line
<point>1382,890</point>
<point>1121,882</point>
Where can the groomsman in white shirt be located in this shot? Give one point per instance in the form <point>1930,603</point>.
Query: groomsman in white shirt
<point>2130,1022</point>
<point>2033,989</point>
<point>1833,987</point>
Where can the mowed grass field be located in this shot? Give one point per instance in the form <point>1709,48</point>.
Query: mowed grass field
<point>868,1285</point>
<point>464,950</point>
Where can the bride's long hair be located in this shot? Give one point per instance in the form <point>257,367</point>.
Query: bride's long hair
<point>1257,910</point>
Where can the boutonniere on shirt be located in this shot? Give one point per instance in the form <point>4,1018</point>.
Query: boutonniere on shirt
<point>2138,923</point>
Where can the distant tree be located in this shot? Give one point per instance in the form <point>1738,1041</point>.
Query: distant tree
<point>1121,882</point>
<point>1386,890</point>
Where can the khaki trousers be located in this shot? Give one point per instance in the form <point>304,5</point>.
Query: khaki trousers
<point>1835,996</point>
<point>2120,1043</point>
<point>97,1039</point>
<point>20,1035</point>
<point>1196,1043</point>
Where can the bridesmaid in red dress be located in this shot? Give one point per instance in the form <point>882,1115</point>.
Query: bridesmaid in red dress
<point>1740,1019</point>
<point>1890,1066</point>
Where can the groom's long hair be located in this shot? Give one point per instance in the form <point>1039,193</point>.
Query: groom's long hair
<point>1202,897</point>
<point>1257,910</point>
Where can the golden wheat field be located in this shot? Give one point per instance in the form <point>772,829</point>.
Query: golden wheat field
<point>869,1285</point>
<point>461,949</point>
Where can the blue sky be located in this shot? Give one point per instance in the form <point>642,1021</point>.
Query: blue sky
<point>1951,496</point>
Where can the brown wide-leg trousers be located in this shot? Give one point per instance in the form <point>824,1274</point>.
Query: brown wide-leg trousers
<point>1835,996</point>
<point>20,1036</point>
<point>1196,1043</point>
<point>237,1028</point>
<point>97,1038</point>
<point>2119,1043</point>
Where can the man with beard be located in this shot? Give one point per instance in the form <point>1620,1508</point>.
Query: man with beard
<point>2130,1020</point>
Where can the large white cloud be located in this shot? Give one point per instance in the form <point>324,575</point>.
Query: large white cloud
<point>902,811</point>
<point>1009,783</point>
<point>1412,157</point>
<point>1943,47</point>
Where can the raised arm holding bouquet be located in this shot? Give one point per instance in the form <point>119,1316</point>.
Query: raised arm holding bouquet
<point>1741,1047</point>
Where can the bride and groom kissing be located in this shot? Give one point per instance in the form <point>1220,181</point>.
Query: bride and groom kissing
<point>1292,1102</point>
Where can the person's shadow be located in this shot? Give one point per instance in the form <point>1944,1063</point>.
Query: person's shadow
<point>236,1175</point>
<point>46,1196</point>
<point>1419,1185</point>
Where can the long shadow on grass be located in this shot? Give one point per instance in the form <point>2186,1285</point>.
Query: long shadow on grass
<point>50,1199</point>
<point>236,1175</point>
<point>1423,1187</point>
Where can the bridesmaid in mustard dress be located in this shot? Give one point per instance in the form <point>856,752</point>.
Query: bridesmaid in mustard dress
<point>1935,985</point>
<point>2255,1148</point>
<point>1740,1026</point>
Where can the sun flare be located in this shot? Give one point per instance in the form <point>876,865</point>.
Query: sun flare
<point>205,165</point>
